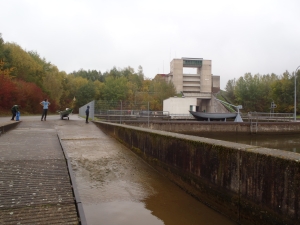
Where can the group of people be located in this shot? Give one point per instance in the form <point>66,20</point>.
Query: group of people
<point>45,104</point>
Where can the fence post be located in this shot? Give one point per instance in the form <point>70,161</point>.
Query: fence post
<point>121,113</point>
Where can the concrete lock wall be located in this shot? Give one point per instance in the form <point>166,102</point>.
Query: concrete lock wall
<point>218,126</point>
<point>249,184</point>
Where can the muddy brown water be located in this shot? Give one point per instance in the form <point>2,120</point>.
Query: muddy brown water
<point>117,187</point>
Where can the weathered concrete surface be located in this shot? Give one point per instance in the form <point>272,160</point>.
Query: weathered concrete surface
<point>251,185</point>
<point>117,187</point>
<point>6,125</point>
<point>35,186</point>
<point>213,126</point>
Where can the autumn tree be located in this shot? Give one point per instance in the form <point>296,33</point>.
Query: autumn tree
<point>25,66</point>
<point>85,94</point>
<point>161,90</point>
<point>230,86</point>
<point>7,92</point>
<point>53,83</point>
<point>115,88</point>
<point>99,89</point>
<point>91,75</point>
<point>283,93</point>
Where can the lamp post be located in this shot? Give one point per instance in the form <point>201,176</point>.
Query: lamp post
<point>295,94</point>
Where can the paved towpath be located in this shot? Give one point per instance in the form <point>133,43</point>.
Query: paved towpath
<point>35,186</point>
<point>115,186</point>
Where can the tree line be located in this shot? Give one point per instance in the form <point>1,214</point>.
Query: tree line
<point>26,79</point>
<point>257,92</point>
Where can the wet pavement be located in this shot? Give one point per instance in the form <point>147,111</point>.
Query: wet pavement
<point>115,186</point>
<point>35,186</point>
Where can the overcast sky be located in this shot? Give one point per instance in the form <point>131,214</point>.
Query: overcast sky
<point>258,36</point>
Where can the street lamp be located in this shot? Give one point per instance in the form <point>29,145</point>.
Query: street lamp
<point>295,94</point>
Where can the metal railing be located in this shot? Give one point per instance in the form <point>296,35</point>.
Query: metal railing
<point>269,117</point>
<point>121,115</point>
<point>186,116</point>
<point>122,110</point>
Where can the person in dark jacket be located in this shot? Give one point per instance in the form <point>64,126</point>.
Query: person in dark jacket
<point>14,111</point>
<point>87,112</point>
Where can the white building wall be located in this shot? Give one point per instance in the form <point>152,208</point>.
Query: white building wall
<point>178,105</point>
<point>92,110</point>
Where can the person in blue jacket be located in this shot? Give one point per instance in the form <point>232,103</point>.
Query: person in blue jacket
<point>45,105</point>
<point>87,112</point>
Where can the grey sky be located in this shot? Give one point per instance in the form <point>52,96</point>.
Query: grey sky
<point>258,36</point>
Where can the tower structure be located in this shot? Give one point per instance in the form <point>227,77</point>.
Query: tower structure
<point>192,85</point>
<point>197,89</point>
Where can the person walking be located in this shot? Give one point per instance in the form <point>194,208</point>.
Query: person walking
<point>14,111</point>
<point>87,112</point>
<point>45,105</point>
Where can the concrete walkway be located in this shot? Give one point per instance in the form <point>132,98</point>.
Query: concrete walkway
<point>35,186</point>
<point>115,186</point>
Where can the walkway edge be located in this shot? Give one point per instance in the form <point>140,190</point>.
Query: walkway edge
<point>79,206</point>
<point>6,127</point>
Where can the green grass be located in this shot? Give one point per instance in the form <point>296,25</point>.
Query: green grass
<point>221,97</point>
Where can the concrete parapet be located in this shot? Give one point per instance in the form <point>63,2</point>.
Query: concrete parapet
<point>7,126</point>
<point>216,126</point>
<point>249,184</point>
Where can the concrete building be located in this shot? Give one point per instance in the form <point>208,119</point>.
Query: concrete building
<point>196,88</point>
<point>201,84</point>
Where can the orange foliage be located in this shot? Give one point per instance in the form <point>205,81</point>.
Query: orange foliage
<point>29,96</point>
<point>7,91</point>
<point>18,92</point>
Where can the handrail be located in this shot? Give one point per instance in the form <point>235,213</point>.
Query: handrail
<point>261,116</point>
<point>133,113</point>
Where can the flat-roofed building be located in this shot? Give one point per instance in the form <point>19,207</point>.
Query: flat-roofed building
<point>200,86</point>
